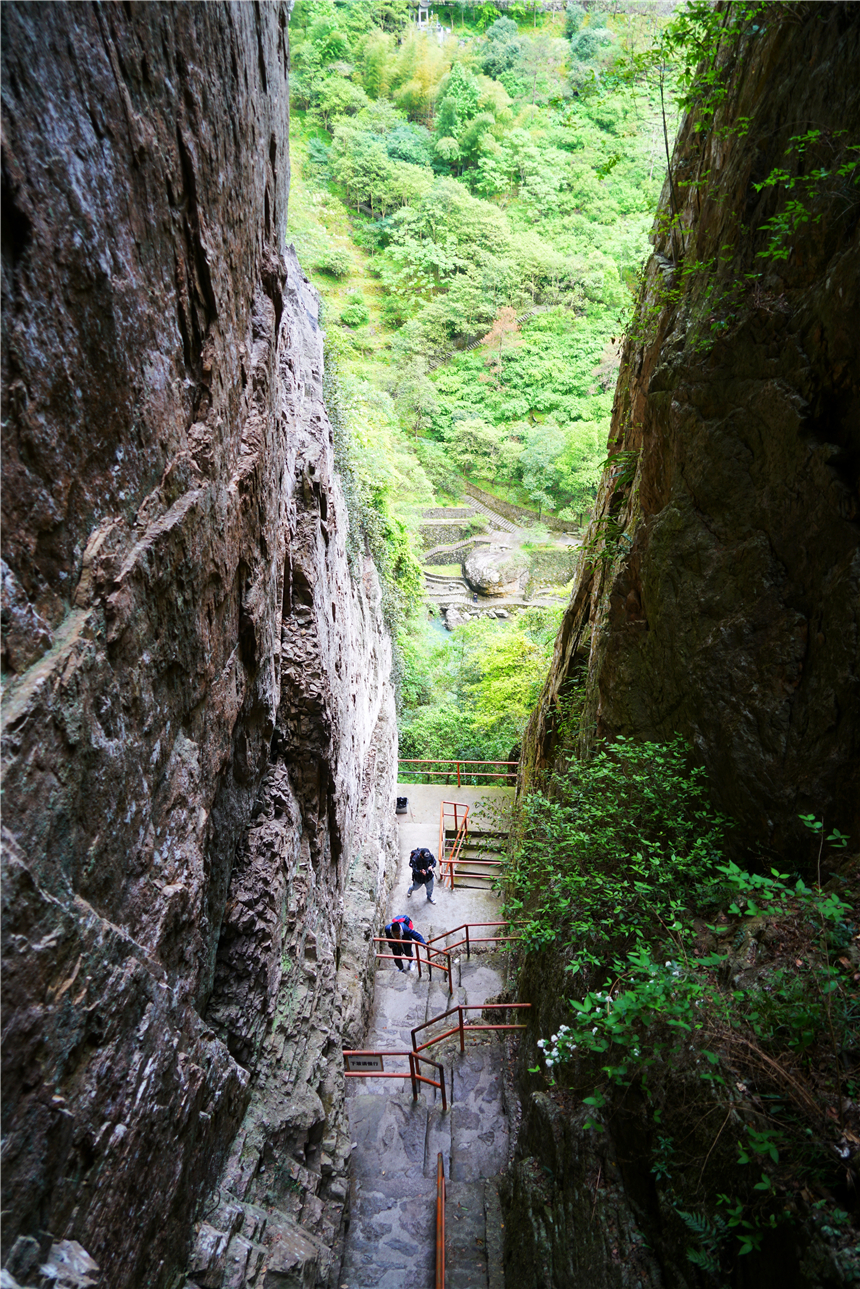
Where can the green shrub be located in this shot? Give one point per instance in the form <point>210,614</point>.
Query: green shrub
<point>334,261</point>
<point>616,849</point>
<point>354,314</point>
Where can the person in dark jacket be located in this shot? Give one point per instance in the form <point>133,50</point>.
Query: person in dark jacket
<point>401,933</point>
<point>422,862</point>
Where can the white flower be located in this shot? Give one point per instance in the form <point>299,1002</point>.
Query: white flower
<point>555,1038</point>
<point>549,1062</point>
<point>541,1042</point>
<point>594,1031</point>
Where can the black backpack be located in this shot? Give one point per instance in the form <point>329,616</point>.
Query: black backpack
<point>419,862</point>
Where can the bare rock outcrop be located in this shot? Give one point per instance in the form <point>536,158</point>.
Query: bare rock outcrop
<point>199,742</point>
<point>496,570</point>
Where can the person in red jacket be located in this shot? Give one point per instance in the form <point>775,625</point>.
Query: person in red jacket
<point>401,933</point>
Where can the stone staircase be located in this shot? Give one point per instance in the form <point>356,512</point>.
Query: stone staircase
<point>391,1237</point>
<point>479,857</point>
<point>452,547</point>
<point>499,521</point>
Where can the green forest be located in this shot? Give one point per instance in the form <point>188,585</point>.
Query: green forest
<point>472,199</point>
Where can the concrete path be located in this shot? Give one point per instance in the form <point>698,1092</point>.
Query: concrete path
<point>391,1238</point>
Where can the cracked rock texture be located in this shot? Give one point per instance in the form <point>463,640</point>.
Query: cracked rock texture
<point>724,601</point>
<point>199,740</point>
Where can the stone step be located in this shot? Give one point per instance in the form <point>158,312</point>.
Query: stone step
<point>498,520</point>
<point>392,1232</point>
<point>479,1123</point>
<point>465,1236</point>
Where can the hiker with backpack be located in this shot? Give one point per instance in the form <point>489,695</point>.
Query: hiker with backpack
<point>401,932</point>
<point>422,862</point>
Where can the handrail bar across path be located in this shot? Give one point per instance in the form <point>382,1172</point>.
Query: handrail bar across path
<point>509,774</point>
<point>469,941</point>
<point>461,1028</point>
<point>428,961</point>
<point>414,1074</point>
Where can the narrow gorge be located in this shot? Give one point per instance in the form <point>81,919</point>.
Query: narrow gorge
<point>200,742</point>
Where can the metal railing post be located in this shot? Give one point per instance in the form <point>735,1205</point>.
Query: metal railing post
<point>412,1064</point>
<point>440,1222</point>
<point>462,1031</point>
<point>468,953</point>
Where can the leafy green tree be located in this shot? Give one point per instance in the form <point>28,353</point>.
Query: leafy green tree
<point>544,446</point>
<point>412,143</point>
<point>475,446</point>
<point>420,66</point>
<point>416,396</point>
<point>376,62</point>
<point>336,97</point>
<point>574,16</point>
<point>354,313</point>
<point>459,101</point>
<point>501,49</point>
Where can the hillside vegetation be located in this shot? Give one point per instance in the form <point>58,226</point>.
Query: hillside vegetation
<point>488,186</point>
<point>451,184</point>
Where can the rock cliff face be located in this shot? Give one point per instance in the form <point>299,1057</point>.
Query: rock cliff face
<point>720,597</point>
<point>199,739</point>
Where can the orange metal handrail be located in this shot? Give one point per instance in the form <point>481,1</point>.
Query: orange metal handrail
<point>470,940</point>
<point>414,1074</point>
<point>460,829</point>
<point>460,1028</point>
<point>429,962</point>
<point>440,1221</point>
<point>446,774</point>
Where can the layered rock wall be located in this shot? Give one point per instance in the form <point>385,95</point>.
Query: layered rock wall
<point>199,742</point>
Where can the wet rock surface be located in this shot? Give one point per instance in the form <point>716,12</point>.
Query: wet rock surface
<point>199,740</point>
